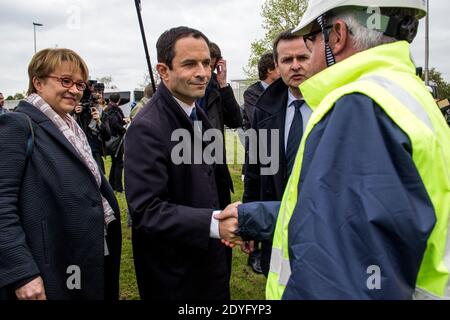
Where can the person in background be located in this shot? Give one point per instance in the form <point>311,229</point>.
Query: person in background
<point>148,93</point>
<point>2,103</point>
<point>267,73</point>
<point>219,102</point>
<point>280,108</point>
<point>95,124</point>
<point>117,123</point>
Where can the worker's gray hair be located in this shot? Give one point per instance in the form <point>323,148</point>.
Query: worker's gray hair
<point>363,36</point>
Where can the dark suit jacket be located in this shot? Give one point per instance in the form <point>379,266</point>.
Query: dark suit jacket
<point>171,206</point>
<point>270,113</point>
<point>222,110</point>
<point>51,214</point>
<point>251,95</point>
<point>222,107</point>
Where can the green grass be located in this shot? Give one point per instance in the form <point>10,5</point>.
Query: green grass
<point>245,284</point>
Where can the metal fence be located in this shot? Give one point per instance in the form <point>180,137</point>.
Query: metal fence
<point>239,86</point>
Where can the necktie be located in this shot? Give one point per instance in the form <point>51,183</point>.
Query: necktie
<point>193,114</point>
<point>196,122</point>
<point>294,137</point>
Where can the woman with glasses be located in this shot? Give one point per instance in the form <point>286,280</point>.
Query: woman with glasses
<point>60,232</point>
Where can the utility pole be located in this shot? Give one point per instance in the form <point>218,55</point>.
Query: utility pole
<point>34,27</point>
<point>147,56</point>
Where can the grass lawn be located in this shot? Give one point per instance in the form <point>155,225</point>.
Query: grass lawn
<point>245,284</point>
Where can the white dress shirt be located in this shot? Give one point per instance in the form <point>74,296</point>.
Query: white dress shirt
<point>187,108</point>
<point>264,84</point>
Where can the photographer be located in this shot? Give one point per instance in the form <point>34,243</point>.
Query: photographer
<point>2,102</point>
<point>93,121</point>
<point>117,124</point>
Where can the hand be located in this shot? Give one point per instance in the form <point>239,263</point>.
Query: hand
<point>228,225</point>
<point>248,247</point>
<point>78,109</point>
<point>221,67</point>
<point>95,114</point>
<point>33,290</point>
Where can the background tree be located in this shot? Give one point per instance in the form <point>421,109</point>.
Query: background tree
<point>278,16</point>
<point>443,87</point>
<point>147,78</point>
<point>19,96</point>
<point>107,81</point>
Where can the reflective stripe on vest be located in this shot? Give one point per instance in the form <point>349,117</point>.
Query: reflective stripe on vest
<point>404,97</point>
<point>422,125</point>
<point>280,266</point>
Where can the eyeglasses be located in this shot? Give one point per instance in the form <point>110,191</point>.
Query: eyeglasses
<point>310,37</point>
<point>68,83</point>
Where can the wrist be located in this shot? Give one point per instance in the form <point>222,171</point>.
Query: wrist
<point>223,84</point>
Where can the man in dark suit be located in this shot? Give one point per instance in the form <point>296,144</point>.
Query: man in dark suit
<point>279,108</point>
<point>172,195</point>
<point>267,73</point>
<point>219,102</point>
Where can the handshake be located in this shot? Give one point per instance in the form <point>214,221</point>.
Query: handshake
<point>228,225</point>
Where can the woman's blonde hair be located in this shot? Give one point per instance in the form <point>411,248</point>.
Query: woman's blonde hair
<point>46,61</point>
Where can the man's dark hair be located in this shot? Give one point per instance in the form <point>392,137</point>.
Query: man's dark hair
<point>114,97</point>
<point>285,35</point>
<point>165,46</point>
<point>214,50</point>
<point>265,64</point>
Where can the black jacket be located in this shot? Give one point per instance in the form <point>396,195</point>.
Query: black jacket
<point>97,135</point>
<point>116,122</point>
<point>251,95</point>
<point>270,114</point>
<point>222,110</point>
<point>221,107</point>
<point>171,207</point>
<point>51,214</point>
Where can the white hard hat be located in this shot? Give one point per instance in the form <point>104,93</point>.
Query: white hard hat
<point>316,8</point>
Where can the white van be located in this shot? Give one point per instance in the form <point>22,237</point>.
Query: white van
<point>126,98</point>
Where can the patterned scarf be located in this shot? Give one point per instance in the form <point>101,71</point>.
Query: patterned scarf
<point>75,135</point>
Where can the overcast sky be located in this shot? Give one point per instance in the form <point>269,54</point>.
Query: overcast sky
<point>106,34</point>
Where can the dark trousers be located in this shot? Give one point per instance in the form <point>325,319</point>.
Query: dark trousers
<point>112,261</point>
<point>115,174</point>
<point>266,253</point>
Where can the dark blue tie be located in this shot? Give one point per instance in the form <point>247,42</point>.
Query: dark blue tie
<point>294,137</point>
<point>193,114</point>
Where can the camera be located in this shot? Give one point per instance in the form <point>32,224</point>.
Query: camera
<point>90,95</point>
<point>91,98</point>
